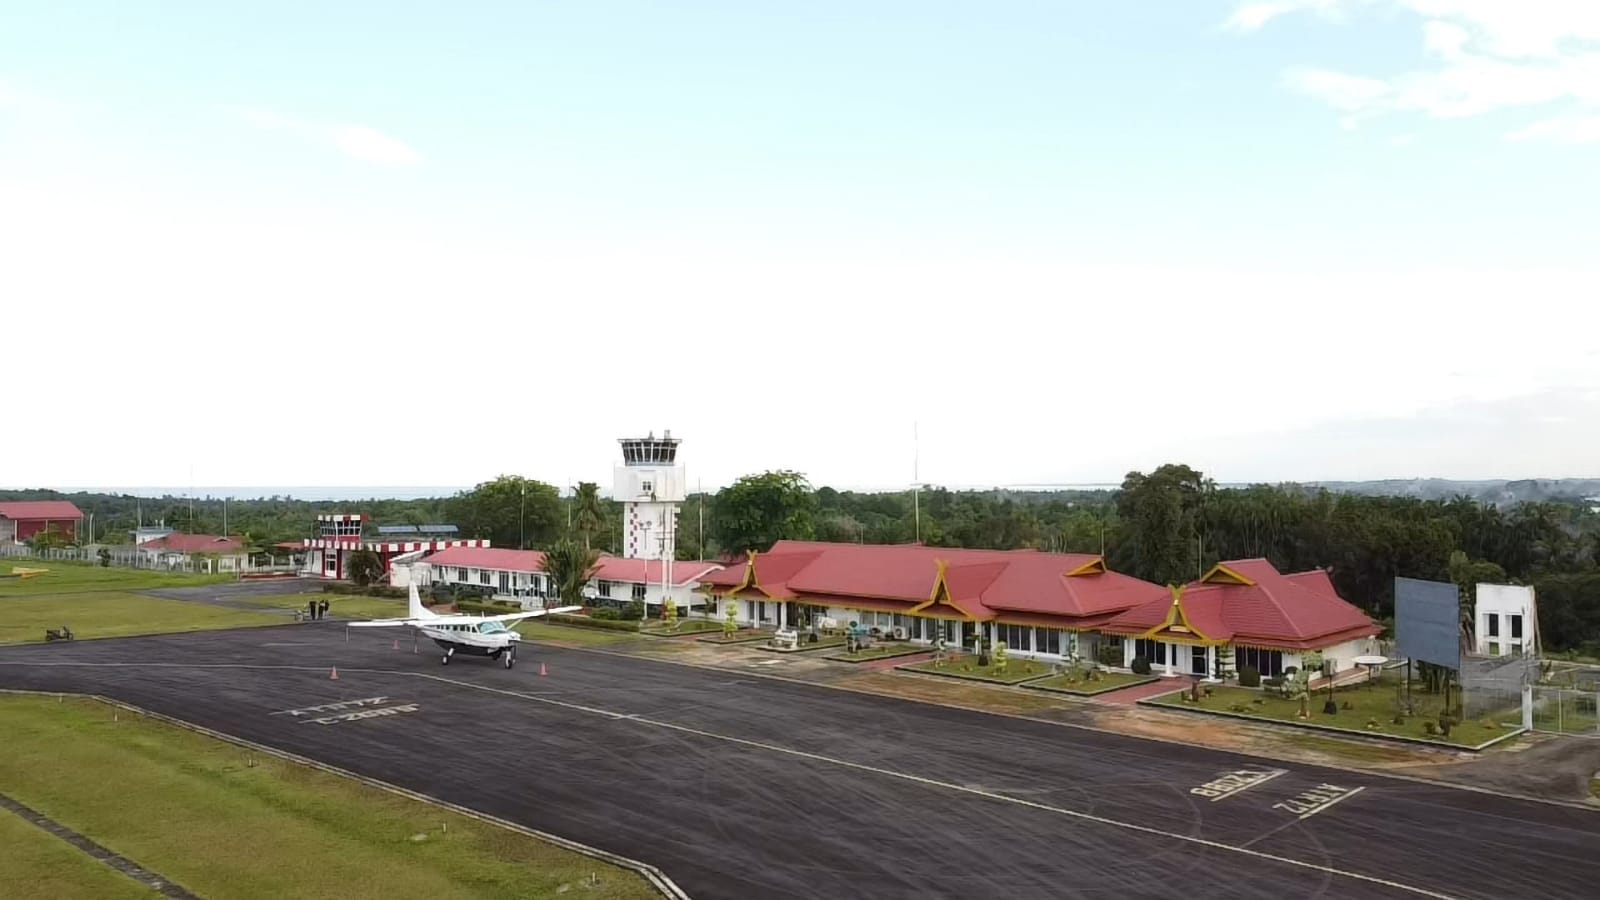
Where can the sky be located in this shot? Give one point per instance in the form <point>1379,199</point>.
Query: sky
<point>972,244</point>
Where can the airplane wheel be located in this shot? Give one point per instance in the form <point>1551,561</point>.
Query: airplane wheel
<point>444,660</point>
<point>510,658</point>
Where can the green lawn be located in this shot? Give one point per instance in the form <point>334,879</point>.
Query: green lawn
<point>193,809</point>
<point>878,651</point>
<point>75,578</point>
<point>115,614</point>
<point>1108,681</point>
<point>966,666</point>
<point>1376,702</point>
<point>535,630</point>
<point>39,864</point>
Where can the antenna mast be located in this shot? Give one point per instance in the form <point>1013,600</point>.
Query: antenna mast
<point>916,481</point>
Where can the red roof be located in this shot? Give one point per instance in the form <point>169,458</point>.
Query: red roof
<point>981,584</point>
<point>1249,602</point>
<point>489,558</point>
<point>178,542</point>
<point>39,509</point>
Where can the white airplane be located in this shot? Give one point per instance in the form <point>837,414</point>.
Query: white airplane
<point>471,635</point>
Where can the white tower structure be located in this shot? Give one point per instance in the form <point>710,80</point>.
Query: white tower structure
<point>651,485</point>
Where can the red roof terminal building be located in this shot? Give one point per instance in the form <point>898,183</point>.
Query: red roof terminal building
<point>21,520</point>
<point>338,535</point>
<point>1048,605</point>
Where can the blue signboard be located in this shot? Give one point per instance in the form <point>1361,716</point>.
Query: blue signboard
<point>1427,621</point>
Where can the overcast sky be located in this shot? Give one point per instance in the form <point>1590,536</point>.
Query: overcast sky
<point>390,244</point>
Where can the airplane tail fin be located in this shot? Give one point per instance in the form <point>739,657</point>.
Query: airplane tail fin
<point>416,610</point>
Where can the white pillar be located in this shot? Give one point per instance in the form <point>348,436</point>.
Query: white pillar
<point>1211,666</point>
<point>1527,706</point>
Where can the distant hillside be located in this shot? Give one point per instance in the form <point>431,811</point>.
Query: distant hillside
<point>1500,493</point>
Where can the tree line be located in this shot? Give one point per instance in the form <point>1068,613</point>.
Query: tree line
<point>1166,526</point>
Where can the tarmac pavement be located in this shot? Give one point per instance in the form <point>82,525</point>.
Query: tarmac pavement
<point>739,786</point>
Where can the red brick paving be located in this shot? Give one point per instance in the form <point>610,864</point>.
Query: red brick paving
<point>1131,695</point>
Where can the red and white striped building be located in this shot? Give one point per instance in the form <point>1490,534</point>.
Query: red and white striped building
<point>340,534</point>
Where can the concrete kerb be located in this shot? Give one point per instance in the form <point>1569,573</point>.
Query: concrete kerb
<point>1350,733</point>
<point>654,876</point>
<point>1334,766</point>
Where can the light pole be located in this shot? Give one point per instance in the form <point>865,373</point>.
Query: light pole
<point>522,519</point>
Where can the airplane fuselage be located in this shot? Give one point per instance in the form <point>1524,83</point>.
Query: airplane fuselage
<point>489,639</point>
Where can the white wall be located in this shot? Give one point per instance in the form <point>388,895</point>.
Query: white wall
<point>1497,604</point>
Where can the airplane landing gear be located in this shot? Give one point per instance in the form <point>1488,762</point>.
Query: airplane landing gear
<point>445,661</point>
<point>510,656</point>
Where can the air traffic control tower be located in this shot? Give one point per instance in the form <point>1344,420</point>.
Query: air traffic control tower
<point>650,483</point>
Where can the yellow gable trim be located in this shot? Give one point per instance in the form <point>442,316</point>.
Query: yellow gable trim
<point>1096,566</point>
<point>1221,574</point>
<point>1177,621</point>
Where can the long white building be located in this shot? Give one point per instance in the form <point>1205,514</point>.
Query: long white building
<point>519,575</point>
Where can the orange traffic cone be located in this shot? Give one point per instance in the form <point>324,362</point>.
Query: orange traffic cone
<point>334,675</point>
<point>541,669</point>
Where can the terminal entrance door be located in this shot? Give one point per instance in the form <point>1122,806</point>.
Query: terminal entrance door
<point>1197,661</point>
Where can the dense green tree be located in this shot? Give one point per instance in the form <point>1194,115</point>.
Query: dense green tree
<point>757,511</point>
<point>510,511</point>
<point>366,567</point>
<point>1160,515</point>
<point>569,566</point>
<point>588,515</point>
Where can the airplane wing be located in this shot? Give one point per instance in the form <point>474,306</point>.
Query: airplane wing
<point>517,617</point>
<point>384,623</point>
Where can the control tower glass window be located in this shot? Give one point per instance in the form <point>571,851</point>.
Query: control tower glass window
<point>649,451</point>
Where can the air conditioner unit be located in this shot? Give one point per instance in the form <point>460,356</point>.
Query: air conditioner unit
<point>899,633</point>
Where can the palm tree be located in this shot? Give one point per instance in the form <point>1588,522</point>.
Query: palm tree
<point>569,568</point>
<point>589,515</point>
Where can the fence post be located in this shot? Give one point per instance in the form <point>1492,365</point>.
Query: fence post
<point>1527,707</point>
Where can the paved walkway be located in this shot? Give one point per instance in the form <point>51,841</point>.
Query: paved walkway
<point>1128,696</point>
<point>122,864</point>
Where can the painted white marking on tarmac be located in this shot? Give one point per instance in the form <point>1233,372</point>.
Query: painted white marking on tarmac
<point>816,757</point>
<point>1238,781</point>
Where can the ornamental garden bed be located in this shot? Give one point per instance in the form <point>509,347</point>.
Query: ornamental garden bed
<point>1369,711</point>
<point>742,636</point>
<point>684,626</point>
<point>826,643</point>
<point>1016,671</point>
<point>1079,686</point>
<point>879,651</point>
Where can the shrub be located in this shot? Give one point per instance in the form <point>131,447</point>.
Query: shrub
<point>605,614</point>
<point>1430,728</point>
<point>1110,655</point>
<point>1249,676</point>
<point>1141,666</point>
<point>633,611</point>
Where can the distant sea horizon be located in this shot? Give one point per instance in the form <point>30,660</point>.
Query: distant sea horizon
<point>262,492</point>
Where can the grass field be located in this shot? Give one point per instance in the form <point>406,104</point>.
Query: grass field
<point>194,810</point>
<point>346,606</point>
<point>38,864</point>
<point>967,667</point>
<point>77,578</point>
<point>1366,703</point>
<point>115,614</point>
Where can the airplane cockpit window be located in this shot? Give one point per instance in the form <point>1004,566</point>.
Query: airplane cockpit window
<point>490,627</point>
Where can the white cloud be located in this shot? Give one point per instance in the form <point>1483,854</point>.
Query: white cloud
<point>1576,129</point>
<point>374,146</point>
<point>1484,56</point>
<point>355,141</point>
<point>1255,16</point>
